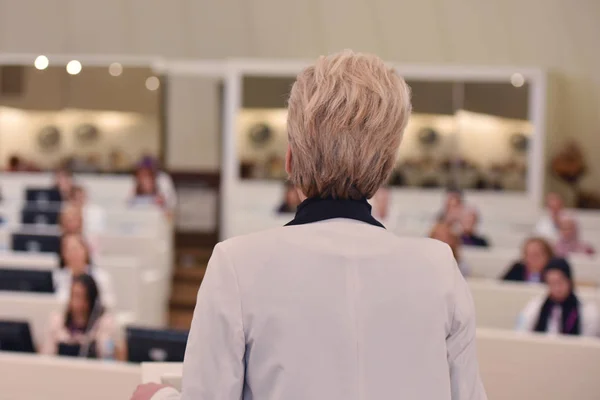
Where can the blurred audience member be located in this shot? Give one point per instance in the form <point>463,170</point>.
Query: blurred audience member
<point>568,240</point>
<point>76,259</point>
<point>71,220</point>
<point>93,216</point>
<point>87,328</point>
<point>560,311</point>
<point>381,204</point>
<point>537,253</point>
<point>63,182</point>
<point>469,236</point>
<point>146,188</point>
<point>547,226</point>
<point>15,164</point>
<point>443,232</point>
<point>453,208</point>
<point>291,200</point>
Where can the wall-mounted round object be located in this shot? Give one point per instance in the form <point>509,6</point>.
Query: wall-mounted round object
<point>519,142</point>
<point>48,138</point>
<point>428,137</point>
<point>86,134</point>
<point>260,134</point>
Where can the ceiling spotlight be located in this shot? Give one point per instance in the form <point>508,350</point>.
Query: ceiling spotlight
<point>517,80</point>
<point>74,67</point>
<point>152,83</point>
<point>41,62</point>
<point>115,69</point>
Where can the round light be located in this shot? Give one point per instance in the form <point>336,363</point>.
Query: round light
<point>152,83</point>
<point>41,62</point>
<point>517,80</point>
<point>74,67</point>
<point>115,69</point>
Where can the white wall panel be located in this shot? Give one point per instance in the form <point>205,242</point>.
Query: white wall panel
<point>33,26</point>
<point>559,35</point>
<point>99,26</point>
<point>221,28</point>
<point>156,28</point>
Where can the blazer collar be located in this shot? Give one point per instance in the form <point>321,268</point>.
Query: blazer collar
<point>318,209</point>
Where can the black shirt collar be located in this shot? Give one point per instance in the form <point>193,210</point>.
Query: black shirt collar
<point>318,209</point>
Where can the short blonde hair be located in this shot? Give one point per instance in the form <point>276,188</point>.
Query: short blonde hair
<point>346,117</point>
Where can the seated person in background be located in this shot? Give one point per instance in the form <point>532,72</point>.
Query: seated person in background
<point>453,208</point>
<point>560,311</point>
<point>443,232</point>
<point>469,236</point>
<point>86,329</point>
<point>146,188</point>
<point>381,204</point>
<point>93,216</point>
<point>568,238</point>
<point>76,260</point>
<point>63,182</point>
<point>547,226</point>
<point>290,201</point>
<point>537,253</point>
<point>71,220</point>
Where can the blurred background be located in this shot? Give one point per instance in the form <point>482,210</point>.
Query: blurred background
<point>134,135</point>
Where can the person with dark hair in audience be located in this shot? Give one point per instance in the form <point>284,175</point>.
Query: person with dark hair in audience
<point>443,232</point>
<point>15,164</point>
<point>537,253</point>
<point>76,259</point>
<point>548,224</point>
<point>453,207</point>
<point>569,241</point>
<point>63,182</point>
<point>290,201</point>
<point>560,311</point>
<point>146,188</point>
<point>86,329</point>
<point>469,235</point>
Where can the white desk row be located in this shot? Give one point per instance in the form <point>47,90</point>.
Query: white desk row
<point>141,281</point>
<point>498,304</point>
<point>513,365</point>
<point>148,220</point>
<point>104,189</point>
<point>494,263</point>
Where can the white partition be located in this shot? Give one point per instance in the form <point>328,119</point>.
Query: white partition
<point>515,366</point>
<point>519,366</point>
<point>153,256</point>
<point>498,304</point>
<point>34,308</point>
<point>494,264</point>
<point>17,259</point>
<point>154,371</point>
<point>34,377</point>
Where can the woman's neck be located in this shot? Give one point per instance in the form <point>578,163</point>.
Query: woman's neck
<point>78,269</point>
<point>79,320</point>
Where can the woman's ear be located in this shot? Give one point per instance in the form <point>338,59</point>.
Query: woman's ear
<point>288,160</point>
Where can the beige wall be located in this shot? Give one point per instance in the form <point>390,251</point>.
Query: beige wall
<point>561,36</point>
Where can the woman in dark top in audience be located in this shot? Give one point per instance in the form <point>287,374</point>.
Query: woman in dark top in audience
<point>560,311</point>
<point>537,253</point>
<point>86,328</point>
<point>469,236</point>
<point>146,188</point>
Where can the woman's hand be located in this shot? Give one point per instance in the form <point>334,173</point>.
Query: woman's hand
<point>146,391</point>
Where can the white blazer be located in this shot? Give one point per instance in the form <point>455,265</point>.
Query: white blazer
<point>337,310</point>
